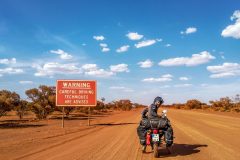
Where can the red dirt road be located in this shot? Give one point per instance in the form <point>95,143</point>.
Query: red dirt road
<point>199,136</point>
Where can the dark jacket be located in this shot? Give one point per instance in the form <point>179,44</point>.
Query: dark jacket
<point>151,110</point>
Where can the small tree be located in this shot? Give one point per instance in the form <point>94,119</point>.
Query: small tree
<point>193,104</point>
<point>43,100</point>
<point>22,108</point>
<point>124,104</point>
<point>224,104</point>
<point>100,105</point>
<point>110,105</point>
<point>8,100</point>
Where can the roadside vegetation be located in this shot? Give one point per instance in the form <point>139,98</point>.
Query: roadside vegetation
<point>225,104</point>
<point>41,102</point>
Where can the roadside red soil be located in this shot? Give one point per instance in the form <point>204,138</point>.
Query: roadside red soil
<point>199,136</point>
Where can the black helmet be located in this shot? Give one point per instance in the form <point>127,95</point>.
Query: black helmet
<point>158,99</point>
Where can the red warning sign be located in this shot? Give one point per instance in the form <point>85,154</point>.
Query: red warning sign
<point>76,93</point>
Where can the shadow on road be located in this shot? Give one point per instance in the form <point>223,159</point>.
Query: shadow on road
<point>113,124</point>
<point>72,118</point>
<point>15,121</point>
<point>182,150</point>
<point>76,117</point>
<point>18,125</point>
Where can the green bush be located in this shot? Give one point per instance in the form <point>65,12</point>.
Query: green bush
<point>8,100</point>
<point>42,100</point>
<point>193,104</point>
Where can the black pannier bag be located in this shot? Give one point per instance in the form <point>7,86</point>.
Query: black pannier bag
<point>142,130</point>
<point>158,123</point>
<point>144,123</point>
<point>141,134</point>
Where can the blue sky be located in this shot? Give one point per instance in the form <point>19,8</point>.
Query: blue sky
<point>135,49</point>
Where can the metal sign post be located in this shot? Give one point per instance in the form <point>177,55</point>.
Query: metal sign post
<point>88,116</point>
<point>62,117</point>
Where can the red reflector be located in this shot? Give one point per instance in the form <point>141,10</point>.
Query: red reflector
<point>155,131</point>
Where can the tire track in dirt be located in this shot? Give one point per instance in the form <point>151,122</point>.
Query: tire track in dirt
<point>96,142</point>
<point>110,144</point>
<point>198,136</point>
<point>214,136</point>
<point>61,143</point>
<point>124,143</point>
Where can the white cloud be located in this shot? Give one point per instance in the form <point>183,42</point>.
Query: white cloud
<point>163,78</point>
<point>134,36</point>
<point>159,39</point>
<point>182,85</point>
<point>156,79</point>
<point>146,64</point>
<point>53,68</point>
<point>63,55</point>
<point>226,67</point>
<point>167,76</point>
<point>145,43</point>
<point>105,49</point>
<point>104,45</point>
<point>223,75</point>
<point>183,78</point>
<point>233,30</point>
<point>8,61</point>
<point>98,38</point>
<point>224,70</point>
<point>90,67</point>
<point>236,15</point>
<point>196,59</point>
<point>26,82</point>
<point>11,71</point>
<point>168,45</point>
<point>99,73</point>
<point>121,88</point>
<point>189,30</point>
<point>93,70</point>
<point>123,49</point>
<point>119,68</point>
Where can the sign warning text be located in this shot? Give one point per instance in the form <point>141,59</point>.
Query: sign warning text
<point>76,93</point>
